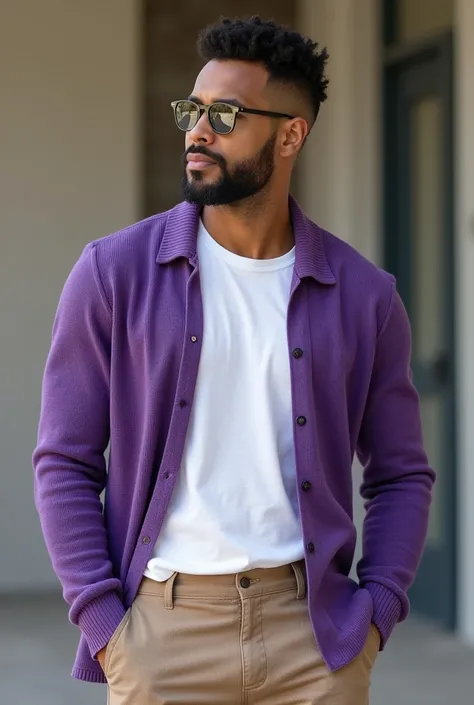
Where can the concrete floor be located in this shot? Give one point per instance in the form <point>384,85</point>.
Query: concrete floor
<point>420,666</point>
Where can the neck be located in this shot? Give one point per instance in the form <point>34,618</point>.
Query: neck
<point>259,228</point>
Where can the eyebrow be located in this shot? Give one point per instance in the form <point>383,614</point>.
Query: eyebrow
<point>230,101</point>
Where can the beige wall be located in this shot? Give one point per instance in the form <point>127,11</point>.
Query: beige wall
<point>68,174</point>
<point>465,308</point>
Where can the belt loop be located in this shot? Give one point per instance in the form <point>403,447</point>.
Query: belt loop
<point>300,580</point>
<point>169,603</point>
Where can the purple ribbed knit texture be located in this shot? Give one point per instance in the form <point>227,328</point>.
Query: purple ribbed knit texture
<point>99,620</point>
<point>125,350</point>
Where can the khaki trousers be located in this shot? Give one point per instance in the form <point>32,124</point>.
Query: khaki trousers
<point>242,639</point>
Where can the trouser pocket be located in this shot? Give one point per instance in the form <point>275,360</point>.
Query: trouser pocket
<point>116,636</point>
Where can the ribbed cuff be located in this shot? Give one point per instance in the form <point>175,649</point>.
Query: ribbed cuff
<point>99,619</point>
<point>387,610</point>
<point>82,674</point>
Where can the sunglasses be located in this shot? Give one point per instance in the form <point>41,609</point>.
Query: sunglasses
<point>221,116</point>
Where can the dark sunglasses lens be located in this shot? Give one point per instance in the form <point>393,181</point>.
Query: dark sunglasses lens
<point>222,118</point>
<point>186,115</point>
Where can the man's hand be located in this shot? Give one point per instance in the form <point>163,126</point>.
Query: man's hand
<point>101,657</point>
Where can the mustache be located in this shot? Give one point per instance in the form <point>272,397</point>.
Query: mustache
<point>207,153</point>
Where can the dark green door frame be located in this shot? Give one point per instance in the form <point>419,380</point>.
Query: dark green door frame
<point>427,65</point>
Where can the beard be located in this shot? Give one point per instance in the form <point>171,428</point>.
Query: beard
<point>244,180</point>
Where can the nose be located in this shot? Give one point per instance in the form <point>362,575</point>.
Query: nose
<point>202,132</point>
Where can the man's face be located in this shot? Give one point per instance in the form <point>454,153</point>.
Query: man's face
<point>238,165</point>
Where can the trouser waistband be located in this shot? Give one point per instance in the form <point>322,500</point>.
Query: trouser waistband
<point>235,586</point>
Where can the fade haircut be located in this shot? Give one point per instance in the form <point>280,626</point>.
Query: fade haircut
<point>289,58</point>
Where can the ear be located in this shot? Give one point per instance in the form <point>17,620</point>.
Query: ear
<point>293,136</point>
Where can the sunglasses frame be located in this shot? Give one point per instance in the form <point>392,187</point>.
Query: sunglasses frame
<point>235,109</point>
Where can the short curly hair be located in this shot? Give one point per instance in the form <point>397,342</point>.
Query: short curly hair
<point>288,57</point>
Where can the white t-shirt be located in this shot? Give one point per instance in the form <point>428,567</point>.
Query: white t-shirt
<point>235,505</point>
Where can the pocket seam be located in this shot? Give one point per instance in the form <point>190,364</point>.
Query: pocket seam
<point>115,638</point>
<point>376,633</point>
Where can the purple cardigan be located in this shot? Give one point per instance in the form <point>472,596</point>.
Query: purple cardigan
<point>124,359</point>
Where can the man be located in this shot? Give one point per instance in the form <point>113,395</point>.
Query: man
<point>237,357</point>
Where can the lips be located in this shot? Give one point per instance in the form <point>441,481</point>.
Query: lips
<point>199,158</point>
<point>198,161</point>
